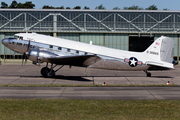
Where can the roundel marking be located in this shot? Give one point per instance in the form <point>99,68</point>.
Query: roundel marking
<point>133,62</point>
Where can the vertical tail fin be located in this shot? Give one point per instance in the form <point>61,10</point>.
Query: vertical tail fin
<point>162,49</point>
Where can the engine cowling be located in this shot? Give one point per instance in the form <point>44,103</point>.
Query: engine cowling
<point>40,56</point>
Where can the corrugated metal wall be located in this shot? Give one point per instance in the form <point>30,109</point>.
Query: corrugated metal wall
<point>97,39</point>
<point>69,36</point>
<point>7,50</point>
<point>1,45</point>
<point>117,41</point>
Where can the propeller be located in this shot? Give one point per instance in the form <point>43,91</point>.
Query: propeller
<point>26,54</point>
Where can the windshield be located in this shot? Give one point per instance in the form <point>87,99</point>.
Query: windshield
<point>18,37</point>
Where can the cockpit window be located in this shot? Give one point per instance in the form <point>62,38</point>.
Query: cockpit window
<point>18,37</point>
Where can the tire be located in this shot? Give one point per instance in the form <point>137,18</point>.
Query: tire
<point>44,72</point>
<point>148,74</point>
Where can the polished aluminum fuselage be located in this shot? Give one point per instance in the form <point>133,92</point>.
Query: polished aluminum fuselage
<point>106,62</point>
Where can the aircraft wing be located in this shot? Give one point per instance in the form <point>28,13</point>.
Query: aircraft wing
<point>80,60</point>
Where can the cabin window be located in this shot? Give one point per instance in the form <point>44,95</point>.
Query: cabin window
<point>85,53</point>
<point>50,46</point>
<point>19,44</point>
<point>77,52</point>
<point>59,48</point>
<point>68,50</point>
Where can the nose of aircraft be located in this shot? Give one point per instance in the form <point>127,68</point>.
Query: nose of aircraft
<point>5,41</point>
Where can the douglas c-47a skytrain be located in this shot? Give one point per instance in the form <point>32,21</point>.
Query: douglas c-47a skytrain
<point>57,51</point>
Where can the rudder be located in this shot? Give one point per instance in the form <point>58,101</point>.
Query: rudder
<point>161,49</point>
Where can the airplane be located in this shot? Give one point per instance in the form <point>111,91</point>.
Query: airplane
<point>57,51</point>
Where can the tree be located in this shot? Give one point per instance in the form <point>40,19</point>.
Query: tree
<point>100,7</point>
<point>165,9</point>
<point>68,8</point>
<point>4,5</point>
<point>152,7</point>
<point>133,8</point>
<point>47,7</point>
<point>85,7</point>
<point>77,7</point>
<point>26,5</point>
<point>13,4</point>
<point>116,8</point>
<point>62,7</point>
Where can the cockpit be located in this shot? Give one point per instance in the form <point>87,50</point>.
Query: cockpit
<point>18,37</point>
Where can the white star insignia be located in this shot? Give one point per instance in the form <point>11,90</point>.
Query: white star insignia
<point>133,62</point>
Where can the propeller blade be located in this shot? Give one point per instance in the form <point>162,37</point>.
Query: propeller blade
<point>26,59</point>
<point>28,46</point>
<point>22,59</point>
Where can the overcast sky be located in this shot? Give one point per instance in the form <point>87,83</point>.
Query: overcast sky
<point>108,4</point>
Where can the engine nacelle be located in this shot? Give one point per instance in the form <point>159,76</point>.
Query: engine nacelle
<point>40,56</point>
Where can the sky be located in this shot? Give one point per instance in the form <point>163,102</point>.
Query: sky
<point>108,4</point>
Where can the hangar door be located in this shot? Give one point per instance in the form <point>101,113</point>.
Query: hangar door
<point>139,44</point>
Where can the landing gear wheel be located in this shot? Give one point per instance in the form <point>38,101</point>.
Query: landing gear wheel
<point>45,72</point>
<point>148,74</point>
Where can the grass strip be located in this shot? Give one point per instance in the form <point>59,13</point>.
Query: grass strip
<point>61,85</point>
<point>55,109</point>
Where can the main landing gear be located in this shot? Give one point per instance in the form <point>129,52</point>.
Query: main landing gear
<point>147,73</point>
<point>49,72</point>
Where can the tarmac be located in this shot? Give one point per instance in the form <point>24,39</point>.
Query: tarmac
<point>30,74</point>
<point>16,74</point>
<point>91,93</point>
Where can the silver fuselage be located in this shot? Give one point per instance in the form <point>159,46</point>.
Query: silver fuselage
<point>106,62</point>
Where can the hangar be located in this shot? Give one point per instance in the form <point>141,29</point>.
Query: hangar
<point>132,30</point>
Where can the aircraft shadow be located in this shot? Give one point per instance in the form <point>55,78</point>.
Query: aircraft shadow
<point>161,77</point>
<point>74,78</point>
<point>80,78</point>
